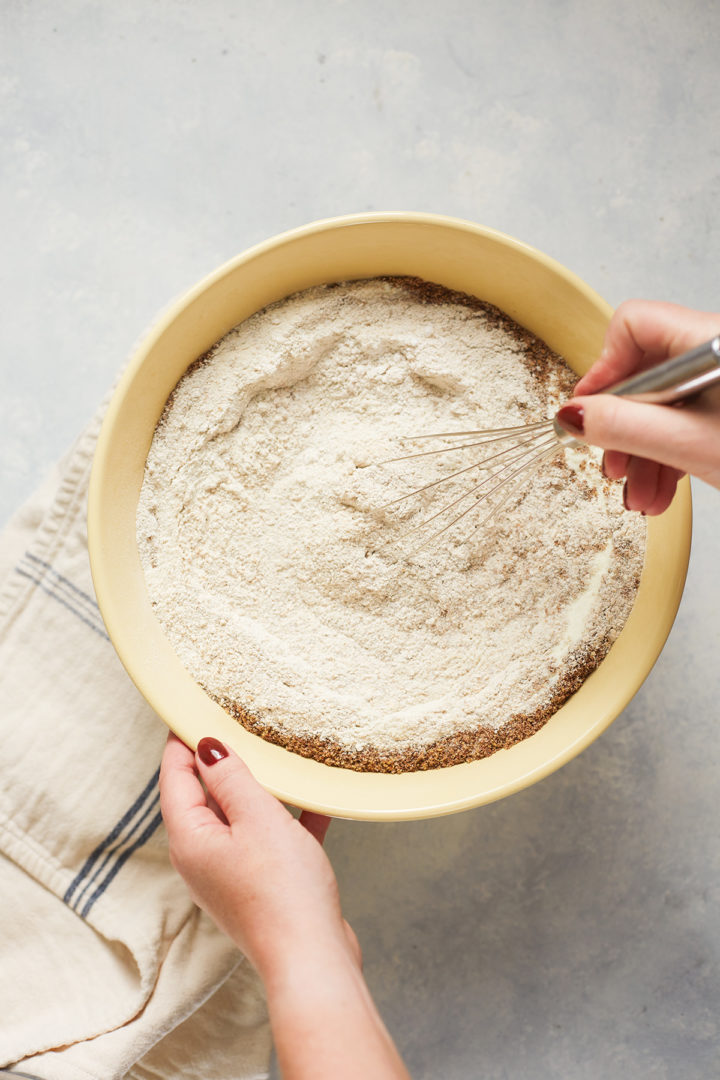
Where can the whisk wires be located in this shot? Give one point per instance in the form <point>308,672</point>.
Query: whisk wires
<point>529,446</point>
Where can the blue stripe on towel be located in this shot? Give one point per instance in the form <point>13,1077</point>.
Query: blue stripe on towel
<point>113,835</point>
<point>120,862</point>
<point>115,850</point>
<point>116,847</point>
<point>62,600</point>
<point>66,581</point>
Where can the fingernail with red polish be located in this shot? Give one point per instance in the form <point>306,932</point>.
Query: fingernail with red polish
<point>571,418</point>
<point>211,750</point>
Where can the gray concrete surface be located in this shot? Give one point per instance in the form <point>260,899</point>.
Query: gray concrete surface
<point>571,930</point>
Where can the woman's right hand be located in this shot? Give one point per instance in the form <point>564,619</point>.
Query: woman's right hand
<point>653,446</point>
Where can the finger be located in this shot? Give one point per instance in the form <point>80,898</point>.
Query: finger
<point>181,794</point>
<point>614,464</point>
<point>650,328</point>
<point>667,486</point>
<point>216,809</point>
<point>642,333</point>
<point>316,824</point>
<point>230,783</point>
<point>684,438</point>
<point>641,485</point>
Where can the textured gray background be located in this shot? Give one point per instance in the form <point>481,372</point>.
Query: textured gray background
<point>571,930</point>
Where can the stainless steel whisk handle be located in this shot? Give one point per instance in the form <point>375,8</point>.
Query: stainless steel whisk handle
<point>676,379</point>
<point>673,380</point>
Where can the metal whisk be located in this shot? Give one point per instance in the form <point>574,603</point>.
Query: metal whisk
<point>529,446</point>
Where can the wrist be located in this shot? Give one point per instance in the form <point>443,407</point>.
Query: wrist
<point>323,1018</point>
<point>310,961</point>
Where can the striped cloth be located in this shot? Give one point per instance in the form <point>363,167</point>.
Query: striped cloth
<point>108,969</point>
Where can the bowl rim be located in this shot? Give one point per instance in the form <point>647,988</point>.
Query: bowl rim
<point>401,806</point>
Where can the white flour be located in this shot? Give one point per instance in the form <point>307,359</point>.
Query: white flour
<point>285,588</point>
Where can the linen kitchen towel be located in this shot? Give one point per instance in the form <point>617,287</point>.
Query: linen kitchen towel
<point>108,968</point>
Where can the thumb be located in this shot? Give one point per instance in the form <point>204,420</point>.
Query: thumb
<point>685,438</point>
<point>231,784</point>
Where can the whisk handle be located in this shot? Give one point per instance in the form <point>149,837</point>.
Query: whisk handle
<point>676,379</point>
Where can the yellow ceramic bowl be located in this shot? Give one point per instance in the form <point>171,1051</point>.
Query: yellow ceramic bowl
<point>535,291</point>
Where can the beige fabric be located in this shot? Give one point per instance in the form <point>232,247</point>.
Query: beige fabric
<point>108,968</point>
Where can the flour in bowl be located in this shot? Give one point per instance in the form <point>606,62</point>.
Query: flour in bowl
<point>300,601</point>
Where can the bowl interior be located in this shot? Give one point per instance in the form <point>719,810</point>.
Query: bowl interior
<point>530,287</point>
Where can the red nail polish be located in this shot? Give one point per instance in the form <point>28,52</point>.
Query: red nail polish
<point>211,750</point>
<point>571,418</point>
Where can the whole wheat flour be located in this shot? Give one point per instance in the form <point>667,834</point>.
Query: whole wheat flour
<point>294,595</point>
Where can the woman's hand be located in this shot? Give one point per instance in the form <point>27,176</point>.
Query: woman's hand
<point>263,877</point>
<point>653,446</point>
<point>260,874</point>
